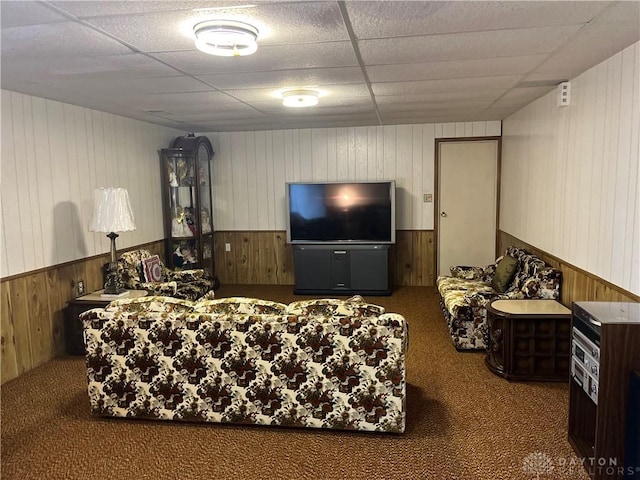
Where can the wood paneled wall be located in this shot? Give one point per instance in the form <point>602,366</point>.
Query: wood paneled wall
<point>577,285</point>
<point>53,156</point>
<point>264,257</point>
<point>256,257</point>
<point>250,169</point>
<point>32,310</point>
<point>570,175</point>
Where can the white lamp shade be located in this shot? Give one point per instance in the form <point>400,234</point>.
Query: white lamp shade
<point>111,211</point>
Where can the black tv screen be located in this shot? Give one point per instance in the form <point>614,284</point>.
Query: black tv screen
<point>325,212</point>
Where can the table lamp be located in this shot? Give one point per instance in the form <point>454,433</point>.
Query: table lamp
<point>112,213</point>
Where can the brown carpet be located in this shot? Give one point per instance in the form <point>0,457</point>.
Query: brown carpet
<point>463,422</point>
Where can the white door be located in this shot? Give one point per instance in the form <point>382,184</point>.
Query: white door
<point>467,203</point>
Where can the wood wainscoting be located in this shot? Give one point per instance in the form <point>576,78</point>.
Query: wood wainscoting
<point>32,303</point>
<point>265,258</point>
<point>577,284</point>
<point>32,310</point>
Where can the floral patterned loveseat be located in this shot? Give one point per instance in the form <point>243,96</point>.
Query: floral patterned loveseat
<point>465,294</point>
<point>321,363</point>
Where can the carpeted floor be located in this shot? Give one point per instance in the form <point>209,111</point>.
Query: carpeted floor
<point>463,423</point>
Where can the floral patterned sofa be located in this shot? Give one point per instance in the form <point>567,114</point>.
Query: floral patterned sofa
<point>321,363</point>
<point>185,284</point>
<point>465,294</point>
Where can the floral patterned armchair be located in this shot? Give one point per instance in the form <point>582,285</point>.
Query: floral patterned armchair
<point>185,284</point>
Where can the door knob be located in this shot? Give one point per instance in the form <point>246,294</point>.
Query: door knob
<point>443,214</point>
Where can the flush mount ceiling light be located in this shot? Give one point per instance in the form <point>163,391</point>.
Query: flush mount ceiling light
<point>226,38</point>
<point>300,98</point>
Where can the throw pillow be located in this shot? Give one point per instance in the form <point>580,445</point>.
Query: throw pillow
<point>505,270</point>
<point>152,269</point>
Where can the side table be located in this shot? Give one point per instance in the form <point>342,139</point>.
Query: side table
<point>529,340</point>
<point>73,327</point>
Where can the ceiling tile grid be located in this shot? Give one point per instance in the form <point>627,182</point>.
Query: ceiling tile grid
<point>373,62</point>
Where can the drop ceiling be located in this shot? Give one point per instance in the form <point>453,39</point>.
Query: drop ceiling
<point>375,62</point>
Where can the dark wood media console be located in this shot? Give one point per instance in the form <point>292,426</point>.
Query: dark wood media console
<point>341,269</point>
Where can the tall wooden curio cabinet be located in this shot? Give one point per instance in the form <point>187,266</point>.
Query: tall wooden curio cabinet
<point>186,190</point>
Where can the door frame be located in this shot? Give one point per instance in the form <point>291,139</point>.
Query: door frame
<point>436,194</point>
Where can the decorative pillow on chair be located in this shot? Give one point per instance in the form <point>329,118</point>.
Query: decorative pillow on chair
<point>152,269</point>
<point>505,270</point>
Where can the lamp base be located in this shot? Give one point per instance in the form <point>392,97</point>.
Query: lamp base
<point>113,285</point>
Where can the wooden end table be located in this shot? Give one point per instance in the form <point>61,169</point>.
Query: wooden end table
<point>73,326</point>
<point>529,340</point>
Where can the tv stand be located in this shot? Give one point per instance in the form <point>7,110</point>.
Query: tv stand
<point>341,269</point>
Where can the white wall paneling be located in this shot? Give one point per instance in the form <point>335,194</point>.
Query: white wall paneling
<point>251,168</point>
<point>570,174</point>
<point>53,156</point>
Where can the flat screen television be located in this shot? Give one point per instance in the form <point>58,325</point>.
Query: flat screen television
<point>341,212</point>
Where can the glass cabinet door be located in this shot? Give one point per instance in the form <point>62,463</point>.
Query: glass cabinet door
<point>203,161</point>
<point>186,177</point>
<point>182,222</point>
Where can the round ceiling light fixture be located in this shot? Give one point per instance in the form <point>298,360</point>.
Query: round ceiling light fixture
<point>300,98</point>
<point>226,38</point>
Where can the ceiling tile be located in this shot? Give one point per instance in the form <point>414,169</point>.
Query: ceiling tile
<point>465,46</point>
<point>446,98</point>
<point>430,117</point>
<point>131,87</point>
<point>283,78</point>
<point>382,19</point>
<point>591,46</point>
<point>269,58</point>
<point>451,85</point>
<point>400,105</point>
<point>426,61</point>
<point>517,96</point>
<point>181,102</point>
<point>332,91</point>
<point>87,68</point>
<point>152,32</point>
<point>331,120</point>
<point>390,109</point>
<point>625,12</point>
<point>453,69</point>
<point>92,8</point>
<point>216,115</point>
<point>277,23</point>
<point>21,13</point>
<point>57,39</point>
<point>324,107</point>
